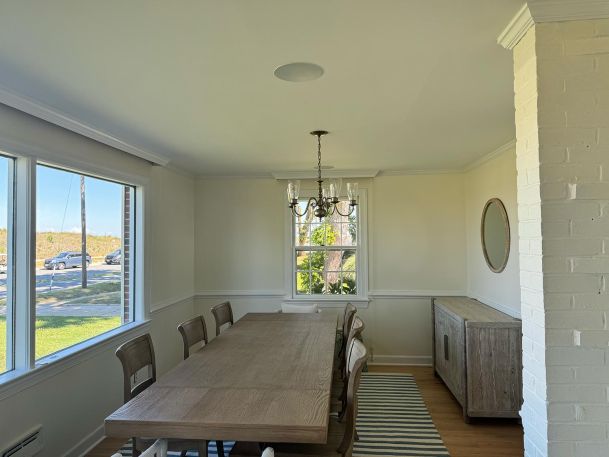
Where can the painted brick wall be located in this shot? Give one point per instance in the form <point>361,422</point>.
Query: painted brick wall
<point>562,117</point>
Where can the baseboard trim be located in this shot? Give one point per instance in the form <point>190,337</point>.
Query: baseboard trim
<point>87,443</point>
<point>412,360</point>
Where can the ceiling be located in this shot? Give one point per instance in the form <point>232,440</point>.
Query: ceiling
<point>408,84</point>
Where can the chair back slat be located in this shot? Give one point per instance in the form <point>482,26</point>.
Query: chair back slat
<point>158,449</point>
<point>223,314</point>
<point>357,355</point>
<point>193,331</point>
<point>135,355</point>
<point>357,328</point>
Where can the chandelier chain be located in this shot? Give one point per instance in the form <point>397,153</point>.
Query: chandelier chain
<point>319,157</point>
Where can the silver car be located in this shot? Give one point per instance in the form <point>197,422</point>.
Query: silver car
<point>68,259</point>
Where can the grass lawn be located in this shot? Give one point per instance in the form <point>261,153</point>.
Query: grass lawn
<point>80,295</point>
<point>105,293</point>
<point>55,333</point>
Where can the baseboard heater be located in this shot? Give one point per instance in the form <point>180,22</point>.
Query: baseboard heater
<point>27,446</point>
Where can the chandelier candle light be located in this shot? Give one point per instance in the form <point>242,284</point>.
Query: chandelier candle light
<point>326,202</point>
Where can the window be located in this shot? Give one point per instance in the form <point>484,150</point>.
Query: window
<point>6,273</point>
<point>327,254</point>
<point>84,233</point>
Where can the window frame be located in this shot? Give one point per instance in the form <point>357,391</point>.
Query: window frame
<point>26,370</point>
<point>361,268</point>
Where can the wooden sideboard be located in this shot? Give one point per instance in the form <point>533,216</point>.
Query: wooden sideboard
<point>477,352</point>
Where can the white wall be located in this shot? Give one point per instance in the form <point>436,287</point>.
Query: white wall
<point>416,246</point>
<point>493,179</point>
<point>71,405</point>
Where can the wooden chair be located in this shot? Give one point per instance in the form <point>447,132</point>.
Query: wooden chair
<point>348,315</point>
<point>158,449</point>
<point>339,388</point>
<point>223,314</point>
<point>340,435</point>
<point>135,355</point>
<point>193,331</point>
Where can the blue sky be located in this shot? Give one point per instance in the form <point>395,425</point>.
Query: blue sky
<point>58,192</point>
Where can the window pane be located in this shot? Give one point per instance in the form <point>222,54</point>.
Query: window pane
<point>83,284</point>
<point>301,234</point>
<point>302,260</point>
<point>348,261</point>
<point>349,284</point>
<point>6,301</point>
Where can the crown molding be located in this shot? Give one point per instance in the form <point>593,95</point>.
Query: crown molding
<point>516,29</point>
<point>45,112</point>
<point>312,174</point>
<point>568,10</point>
<point>410,172</point>
<point>490,156</point>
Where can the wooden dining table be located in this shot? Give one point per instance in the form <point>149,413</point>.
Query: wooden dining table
<point>266,379</point>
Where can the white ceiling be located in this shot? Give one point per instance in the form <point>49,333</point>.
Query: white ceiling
<point>408,84</point>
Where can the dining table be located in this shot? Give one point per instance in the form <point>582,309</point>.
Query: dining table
<point>265,379</point>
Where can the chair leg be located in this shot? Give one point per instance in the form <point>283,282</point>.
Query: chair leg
<point>220,447</point>
<point>183,453</point>
<point>356,436</point>
<point>136,452</point>
<point>203,448</point>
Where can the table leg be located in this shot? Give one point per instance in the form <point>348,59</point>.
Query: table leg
<point>203,449</point>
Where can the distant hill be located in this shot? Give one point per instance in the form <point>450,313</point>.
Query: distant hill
<point>49,244</point>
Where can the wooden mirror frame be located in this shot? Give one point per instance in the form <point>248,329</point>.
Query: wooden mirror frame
<point>506,225</point>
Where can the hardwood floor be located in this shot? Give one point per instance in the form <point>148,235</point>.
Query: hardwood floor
<point>481,438</point>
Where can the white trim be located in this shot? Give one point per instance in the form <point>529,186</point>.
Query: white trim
<point>327,174</point>
<point>516,28</point>
<point>388,294</point>
<point>271,293</point>
<point>87,443</point>
<point>17,380</point>
<point>164,304</point>
<point>412,360</point>
<point>19,149</point>
<point>568,10</point>
<point>331,301</point>
<point>491,155</point>
<point>54,116</point>
<point>407,172</point>
<point>496,305</point>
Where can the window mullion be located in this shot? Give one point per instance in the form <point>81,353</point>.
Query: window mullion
<point>24,263</point>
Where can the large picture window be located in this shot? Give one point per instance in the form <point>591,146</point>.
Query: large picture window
<point>84,236</point>
<point>326,253</point>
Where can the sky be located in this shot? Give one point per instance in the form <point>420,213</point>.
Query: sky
<point>58,202</point>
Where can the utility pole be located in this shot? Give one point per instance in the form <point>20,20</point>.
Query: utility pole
<point>83,231</point>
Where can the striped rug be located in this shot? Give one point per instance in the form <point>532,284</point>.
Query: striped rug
<point>392,421</point>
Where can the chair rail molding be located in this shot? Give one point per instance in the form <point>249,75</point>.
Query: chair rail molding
<point>42,111</point>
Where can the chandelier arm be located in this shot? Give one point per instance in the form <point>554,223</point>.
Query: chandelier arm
<point>349,213</point>
<point>305,210</point>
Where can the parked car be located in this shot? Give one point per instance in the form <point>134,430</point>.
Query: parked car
<point>68,259</point>
<point>114,258</point>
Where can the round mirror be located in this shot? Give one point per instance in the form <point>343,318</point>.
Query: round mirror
<point>495,233</point>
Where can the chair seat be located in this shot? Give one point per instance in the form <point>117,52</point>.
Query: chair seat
<point>336,432</point>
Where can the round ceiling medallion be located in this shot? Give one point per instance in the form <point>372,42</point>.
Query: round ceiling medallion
<point>299,72</point>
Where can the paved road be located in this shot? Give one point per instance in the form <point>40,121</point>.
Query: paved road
<point>62,279</point>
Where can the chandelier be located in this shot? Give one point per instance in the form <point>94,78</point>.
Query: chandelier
<point>326,202</point>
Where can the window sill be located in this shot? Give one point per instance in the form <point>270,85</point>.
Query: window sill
<point>331,302</point>
<point>15,381</point>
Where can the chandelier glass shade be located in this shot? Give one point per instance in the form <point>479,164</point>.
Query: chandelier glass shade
<point>328,194</point>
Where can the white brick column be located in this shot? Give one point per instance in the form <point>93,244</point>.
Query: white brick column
<point>562,128</point>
